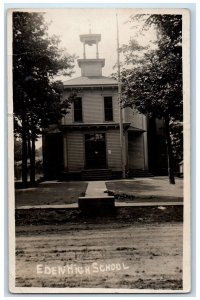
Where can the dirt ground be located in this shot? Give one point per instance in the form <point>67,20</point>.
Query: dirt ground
<point>116,252</point>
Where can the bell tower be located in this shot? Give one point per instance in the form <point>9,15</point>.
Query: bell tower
<point>91,66</point>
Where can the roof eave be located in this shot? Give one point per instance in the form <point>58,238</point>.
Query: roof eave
<point>89,86</point>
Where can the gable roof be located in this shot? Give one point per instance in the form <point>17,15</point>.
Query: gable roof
<point>90,81</point>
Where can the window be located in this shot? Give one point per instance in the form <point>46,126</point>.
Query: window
<point>78,110</point>
<point>108,109</point>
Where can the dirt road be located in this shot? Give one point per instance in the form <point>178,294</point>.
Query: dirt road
<point>137,256</point>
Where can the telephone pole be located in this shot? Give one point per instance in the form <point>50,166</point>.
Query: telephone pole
<point>121,129</point>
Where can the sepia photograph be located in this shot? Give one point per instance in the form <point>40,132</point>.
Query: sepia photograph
<point>99,150</point>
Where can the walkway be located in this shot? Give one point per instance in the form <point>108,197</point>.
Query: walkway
<point>117,204</point>
<point>96,189</point>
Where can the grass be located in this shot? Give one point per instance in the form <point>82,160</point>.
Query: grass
<point>158,188</point>
<point>47,193</point>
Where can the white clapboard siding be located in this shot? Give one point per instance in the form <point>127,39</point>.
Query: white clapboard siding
<point>93,107</point>
<point>113,150</point>
<point>75,146</point>
<point>115,108</point>
<point>134,118</point>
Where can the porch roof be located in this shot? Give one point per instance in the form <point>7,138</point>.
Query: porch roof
<point>93,126</point>
<point>135,129</point>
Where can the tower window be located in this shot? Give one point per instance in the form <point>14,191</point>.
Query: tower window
<point>108,109</point>
<point>78,117</point>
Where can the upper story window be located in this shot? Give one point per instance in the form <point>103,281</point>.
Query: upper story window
<point>108,109</point>
<point>78,116</point>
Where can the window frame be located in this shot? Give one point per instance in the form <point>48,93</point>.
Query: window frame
<point>75,110</point>
<point>106,109</point>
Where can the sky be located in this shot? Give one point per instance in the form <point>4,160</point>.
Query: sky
<point>68,24</point>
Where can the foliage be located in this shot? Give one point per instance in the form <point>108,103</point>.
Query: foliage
<point>154,85</point>
<point>38,152</point>
<point>36,95</point>
<point>36,59</point>
<point>17,149</point>
<point>176,132</point>
<point>152,79</point>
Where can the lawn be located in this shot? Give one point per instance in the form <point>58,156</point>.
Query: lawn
<point>47,193</point>
<point>146,188</point>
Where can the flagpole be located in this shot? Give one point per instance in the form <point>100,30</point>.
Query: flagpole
<point>120,108</point>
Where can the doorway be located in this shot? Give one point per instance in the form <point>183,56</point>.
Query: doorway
<point>95,151</point>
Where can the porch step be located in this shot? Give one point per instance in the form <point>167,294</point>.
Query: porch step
<point>139,173</point>
<point>96,174</point>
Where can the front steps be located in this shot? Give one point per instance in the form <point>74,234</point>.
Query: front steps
<point>96,174</point>
<point>103,174</point>
<point>139,173</point>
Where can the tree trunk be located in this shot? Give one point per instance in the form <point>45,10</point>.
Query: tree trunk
<point>169,152</point>
<point>28,145</point>
<point>32,159</point>
<point>24,154</point>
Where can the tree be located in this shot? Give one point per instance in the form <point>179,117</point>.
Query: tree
<point>36,95</point>
<point>153,85</point>
<point>17,150</point>
<point>176,134</point>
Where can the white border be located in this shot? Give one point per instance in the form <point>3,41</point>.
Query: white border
<point>31,3</point>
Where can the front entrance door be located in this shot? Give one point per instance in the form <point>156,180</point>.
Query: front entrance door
<point>95,151</point>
